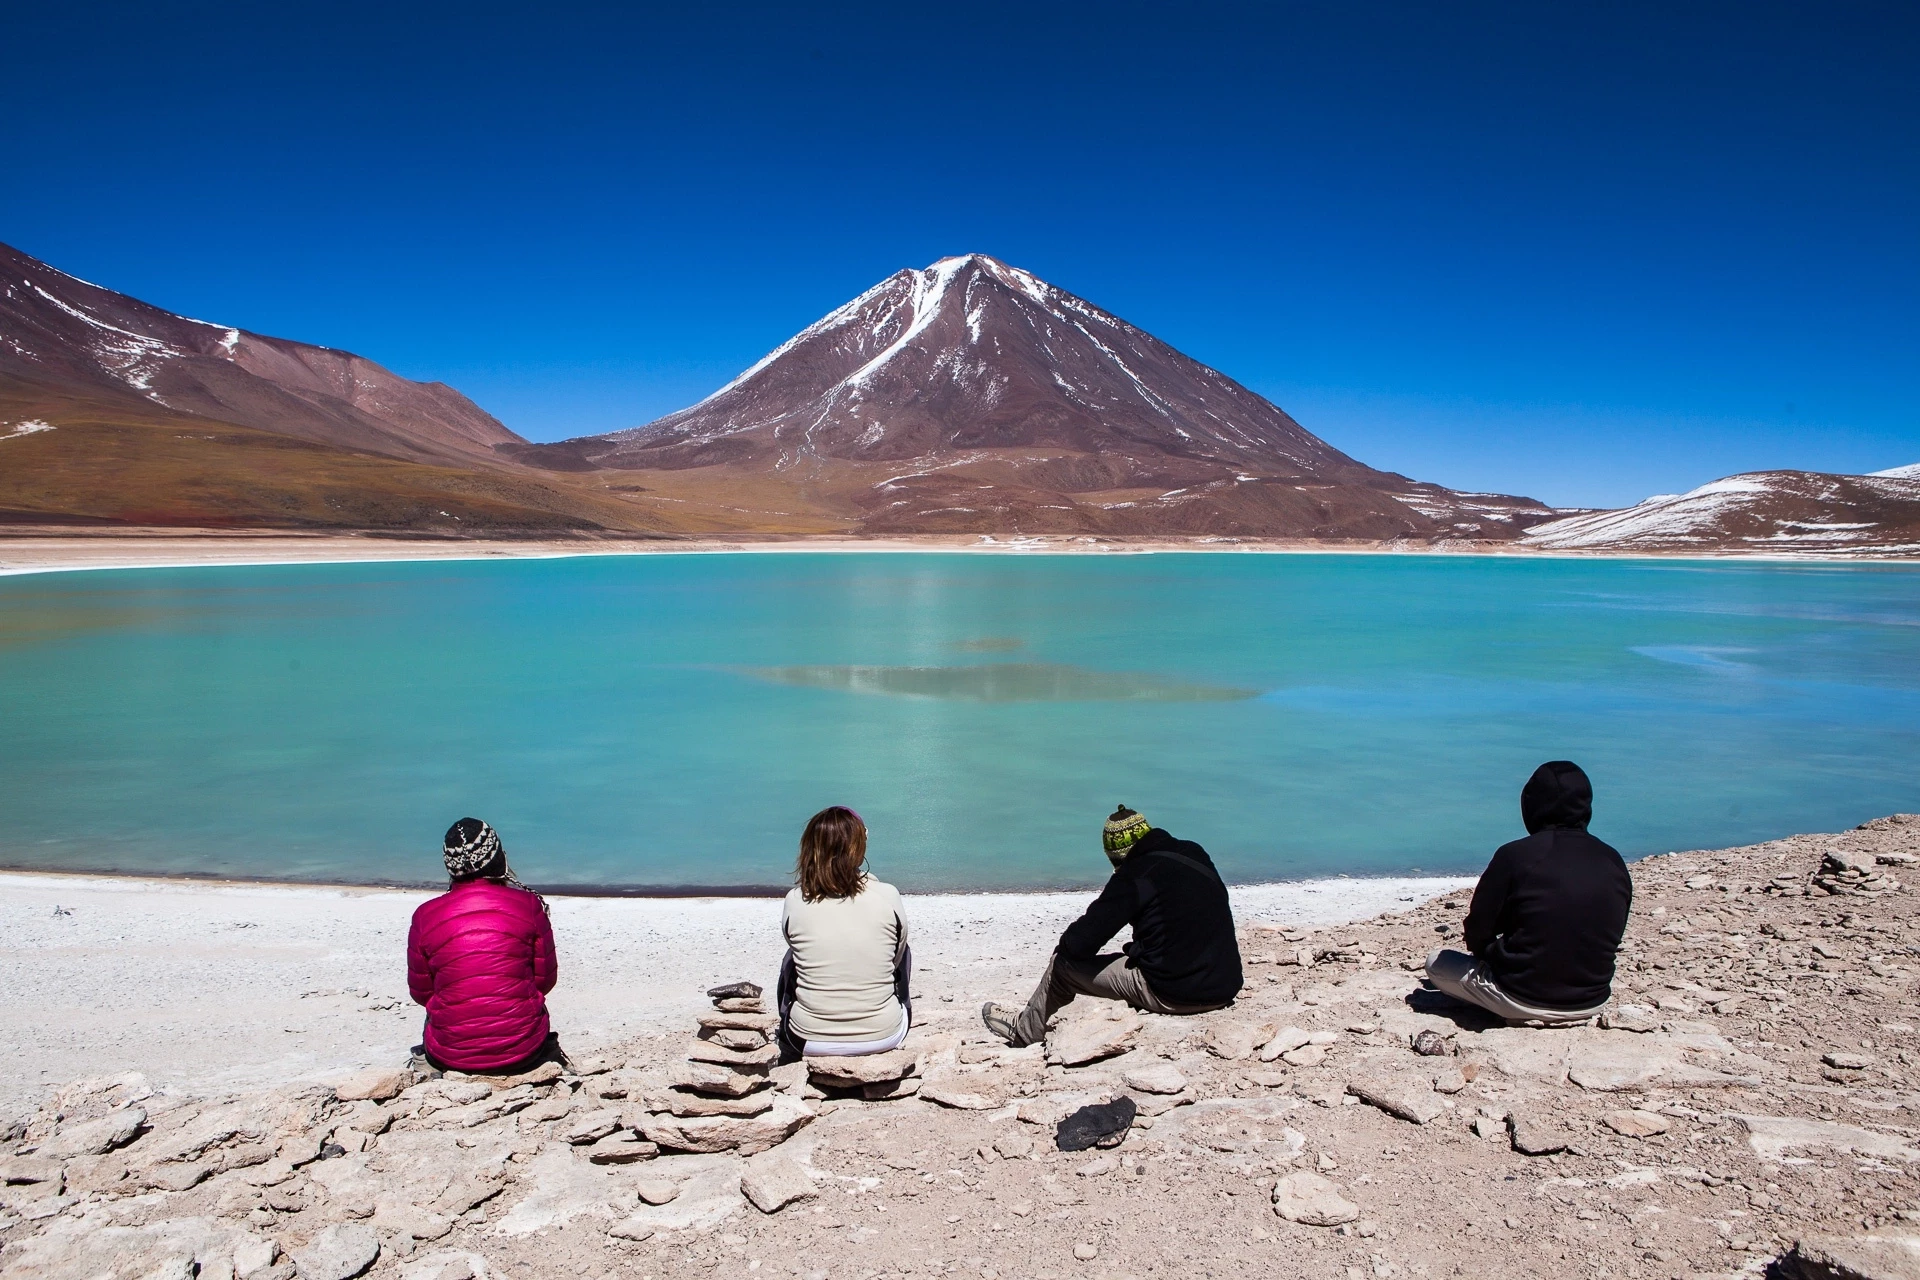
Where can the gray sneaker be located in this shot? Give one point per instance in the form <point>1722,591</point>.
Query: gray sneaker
<point>1000,1021</point>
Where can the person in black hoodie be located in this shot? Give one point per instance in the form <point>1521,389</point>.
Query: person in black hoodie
<point>1547,915</point>
<point>1183,957</point>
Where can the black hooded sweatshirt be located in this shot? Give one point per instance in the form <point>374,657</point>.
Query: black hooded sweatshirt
<point>1183,941</point>
<point>1550,910</point>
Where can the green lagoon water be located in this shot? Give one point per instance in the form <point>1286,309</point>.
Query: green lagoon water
<point>673,720</point>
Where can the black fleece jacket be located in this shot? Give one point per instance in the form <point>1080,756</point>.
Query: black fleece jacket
<point>1550,910</point>
<point>1183,942</point>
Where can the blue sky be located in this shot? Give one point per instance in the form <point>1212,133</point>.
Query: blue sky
<point>1585,253</point>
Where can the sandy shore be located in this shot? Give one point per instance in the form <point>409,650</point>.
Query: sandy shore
<point>209,987</point>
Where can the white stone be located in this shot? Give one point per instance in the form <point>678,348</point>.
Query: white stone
<point>96,1137</point>
<point>772,1181</point>
<point>1311,1200</point>
<point>1157,1077</point>
<point>338,1252</point>
<point>376,1083</point>
<point>1076,1043</point>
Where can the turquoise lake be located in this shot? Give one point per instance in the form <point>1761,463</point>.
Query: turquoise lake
<point>673,720</point>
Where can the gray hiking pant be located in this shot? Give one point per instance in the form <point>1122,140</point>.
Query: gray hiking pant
<point>1464,978</point>
<point>1110,976</point>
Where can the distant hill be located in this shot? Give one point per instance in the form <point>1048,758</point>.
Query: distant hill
<point>113,411</point>
<point>972,396</point>
<point>1761,512</point>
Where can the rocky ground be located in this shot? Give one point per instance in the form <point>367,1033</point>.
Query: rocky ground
<point>1747,1103</point>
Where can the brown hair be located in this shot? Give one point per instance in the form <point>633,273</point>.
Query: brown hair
<point>832,849</point>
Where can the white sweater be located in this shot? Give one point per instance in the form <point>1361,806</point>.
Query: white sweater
<point>844,954</point>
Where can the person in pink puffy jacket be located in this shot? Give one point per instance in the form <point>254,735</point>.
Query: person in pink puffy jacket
<point>480,958</point>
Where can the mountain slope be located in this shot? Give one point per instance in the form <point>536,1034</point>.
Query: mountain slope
<point>1770,512</point>
<point>972,396</point>
<point>63,334</point>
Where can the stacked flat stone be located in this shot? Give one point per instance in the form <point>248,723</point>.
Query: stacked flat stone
<point>722,1096</point>
<point>1842,872</point>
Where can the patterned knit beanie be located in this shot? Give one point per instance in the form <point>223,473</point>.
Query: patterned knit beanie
<point>471,848</point>
<point>1122,831</point>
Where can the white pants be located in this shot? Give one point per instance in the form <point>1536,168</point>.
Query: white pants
<point>855,1048</point>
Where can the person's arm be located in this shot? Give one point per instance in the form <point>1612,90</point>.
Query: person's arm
<point>419,977</point>
<point>899,930</point>
<point>1109,913</point>
<point>546,964</point>
<point>1489,904</point>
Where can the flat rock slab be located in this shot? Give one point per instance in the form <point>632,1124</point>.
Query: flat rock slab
<point>1158,1077</point>
<point>1410,1100</point>
<point>591,1127</point>
<point>721,1020</point>
<point>96,1137</point>
<point>1311,1200</point>
<point>658,1191</point>
<point>622,1148</point>
<point>745,1134</point>
<point>376,1084</point>
<point>338,1252</point>
<point>1773,1136</point>
<point>1236,1041</point>
<point>866,1068</point>
<point>707,1192</point>
<point>1073,1044</point>
<point>1637,1124</point>
<point>773,1181</point>
<point>706,1077</point>
<point>1875,1256</point>
<point>886,1090</point>
<point>954,1094</point>
<point>1535,1137</point>
<point>720,1055</point>
<point>682,1102</point>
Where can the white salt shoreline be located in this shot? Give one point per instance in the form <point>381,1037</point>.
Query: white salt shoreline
<point>218,986</point>
<point>33,555</point>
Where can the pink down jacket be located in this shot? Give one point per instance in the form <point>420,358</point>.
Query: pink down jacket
<point>480,958</point>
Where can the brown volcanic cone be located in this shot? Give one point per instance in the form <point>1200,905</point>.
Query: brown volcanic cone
<point>974,397</point>
<point>65,335</point>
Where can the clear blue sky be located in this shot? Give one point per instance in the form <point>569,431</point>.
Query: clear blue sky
<point>1584,252</point>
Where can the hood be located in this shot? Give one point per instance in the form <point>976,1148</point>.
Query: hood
<point>1557,795</point>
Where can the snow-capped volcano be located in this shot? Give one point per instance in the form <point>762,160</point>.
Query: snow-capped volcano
<point>61,333</point>
<point>985,398</point>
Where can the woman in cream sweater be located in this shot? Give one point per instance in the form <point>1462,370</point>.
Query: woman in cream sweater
<point>843,985</point>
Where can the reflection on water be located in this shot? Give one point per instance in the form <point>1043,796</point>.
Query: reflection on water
<point>1001,682</point>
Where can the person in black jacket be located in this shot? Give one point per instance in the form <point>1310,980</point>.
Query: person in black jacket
<point>1547,915</point>
<point>1183,957</point>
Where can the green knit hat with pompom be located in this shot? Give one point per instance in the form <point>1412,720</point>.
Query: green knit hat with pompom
<point>1122,831</point>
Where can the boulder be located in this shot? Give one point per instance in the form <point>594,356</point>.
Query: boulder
<point>1158,1077</point>
<point>772,1181</point>
<point>868,1068</point>
<point>1880,1255</point>
<point>1408,1099</point>
<point>1311,1200</point>
<point>338,1252</point>
<point>1307,1055</point>
<point>377,1084</point>
<point>746,1134</point>
<point>1076,1043</point>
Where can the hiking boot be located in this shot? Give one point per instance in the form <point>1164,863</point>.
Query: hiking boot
<point>1001,1021</point>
